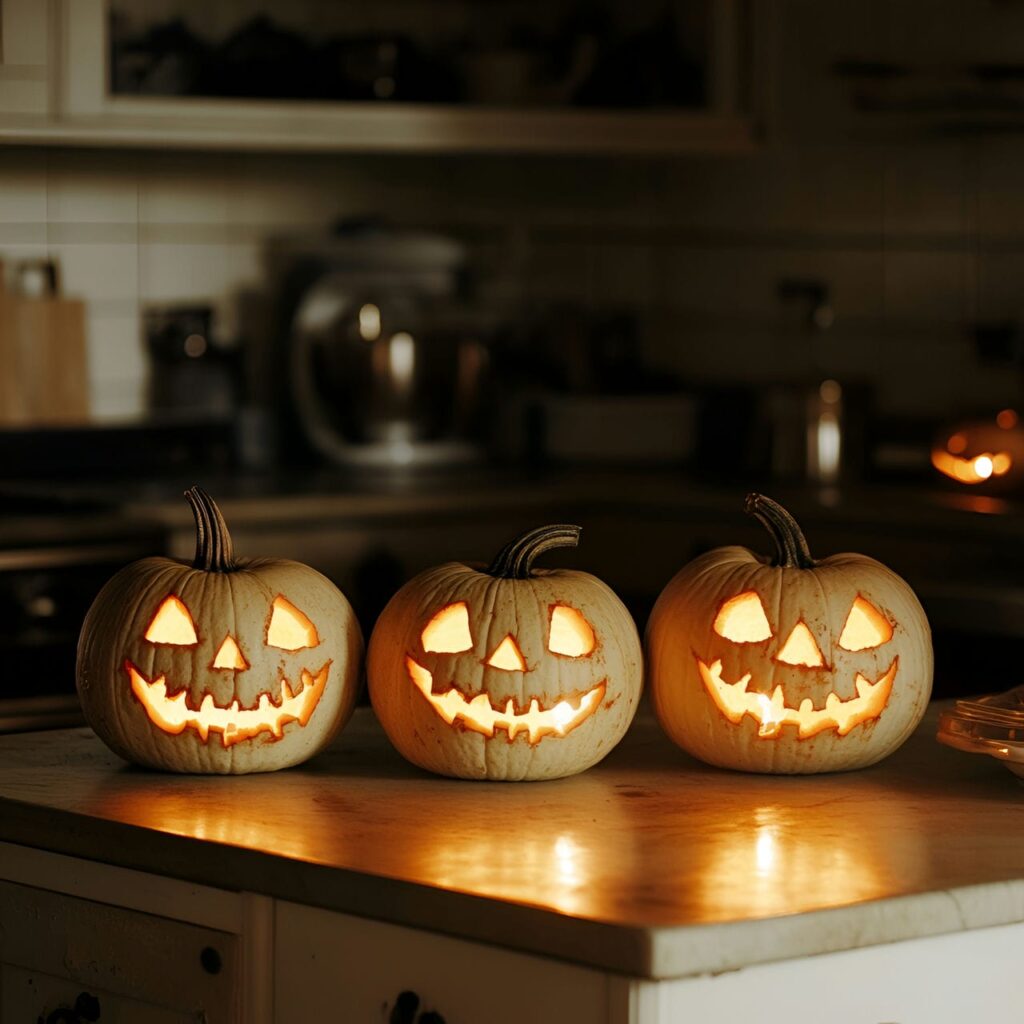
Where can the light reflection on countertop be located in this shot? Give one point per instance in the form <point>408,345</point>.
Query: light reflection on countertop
<point>638,864</point>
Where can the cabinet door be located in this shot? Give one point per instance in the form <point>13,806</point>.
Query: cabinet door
<point>944,979</point>
<point>24,57</point>
<point>335,967</point>
<point>128,966</point>
<point>33,996</point>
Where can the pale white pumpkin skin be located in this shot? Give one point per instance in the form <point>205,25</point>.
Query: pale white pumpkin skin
<point>681,630</point>
<point>236,602</point>
<point>497,608</point>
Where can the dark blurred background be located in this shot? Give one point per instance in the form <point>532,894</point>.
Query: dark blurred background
<point>394,281</point>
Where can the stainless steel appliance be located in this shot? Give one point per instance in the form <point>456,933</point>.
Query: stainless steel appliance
<point>377,352</point>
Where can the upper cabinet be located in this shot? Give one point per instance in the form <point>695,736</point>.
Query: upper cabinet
<point>26,69</point>
<point>515,76</point>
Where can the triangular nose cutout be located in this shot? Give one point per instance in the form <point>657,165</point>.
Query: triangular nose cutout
<point>801,648</point>
<point>507,656</point>
<point>229,655</point>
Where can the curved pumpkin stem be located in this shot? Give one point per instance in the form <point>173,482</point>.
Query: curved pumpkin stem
<point>213,542</point>
<point>791,550</point>
<point>515,560</point>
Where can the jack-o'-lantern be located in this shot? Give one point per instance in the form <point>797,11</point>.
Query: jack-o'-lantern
<point>507,672</point>
<point>984,452</point>
<point>220,666</point>
<point>790,664</point>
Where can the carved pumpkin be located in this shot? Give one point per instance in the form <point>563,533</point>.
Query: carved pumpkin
<point>220,666</point>
<point>788,665</point>
<point>506,672</point>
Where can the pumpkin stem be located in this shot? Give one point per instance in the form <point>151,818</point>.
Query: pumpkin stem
<point>515,560</point>
<point>213,542</point>
<point>791,550</point>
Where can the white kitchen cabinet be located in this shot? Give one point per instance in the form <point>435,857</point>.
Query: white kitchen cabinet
<point>57,951</point>
<point>136,948</point>
<point>334,963</point>
<point>288,963</point>
<point>26,69</point>
<point>61,51</point>
<point>945,979</point>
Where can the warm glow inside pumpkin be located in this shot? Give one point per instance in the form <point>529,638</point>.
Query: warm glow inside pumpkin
<point>448,632</point>
<point>171,708</point>
<point>742,619</point>
<point>789,664</point>
<point>506,672</point>
<point>221,665</point>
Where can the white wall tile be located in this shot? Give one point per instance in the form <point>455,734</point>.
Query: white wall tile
<point>99,273</point>
<point>995,171</point>
<point>22,188</point>
<point>921,286</point>
<point>744,281</point>
<point>179,273</point>
<point>95,188</point>
<point>184,188</point>
<point>927,191</point>
<point>117,365</point>
<point>1001,286</point>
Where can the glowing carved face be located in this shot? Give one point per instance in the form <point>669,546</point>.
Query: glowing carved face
<point>172,709</point>
<point>569,635</point>
<point>742,620</point>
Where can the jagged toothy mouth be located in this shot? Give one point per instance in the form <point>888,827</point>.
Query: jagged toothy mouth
<point>772,713</point>
<point>174,714</point>
<point>479,715</point>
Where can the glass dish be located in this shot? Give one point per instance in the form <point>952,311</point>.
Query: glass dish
<point>988,725</point>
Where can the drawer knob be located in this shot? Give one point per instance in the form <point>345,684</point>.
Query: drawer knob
<point>86,1009</point>
<point>404,1011</point>
<point>210,959</point>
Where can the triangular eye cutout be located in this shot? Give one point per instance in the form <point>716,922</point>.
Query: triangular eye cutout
<point>289,629</point>
<point>448,631</point>
<point>801,648</point>
<point>507,656</point>
<point>742,619</point>
<point>866,627</point>
<point>172,624</point>
<point>230,656</point>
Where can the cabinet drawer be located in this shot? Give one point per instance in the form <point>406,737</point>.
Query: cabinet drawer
<point>333,966</point>
<point>944,979</point>
<point>139,968</point>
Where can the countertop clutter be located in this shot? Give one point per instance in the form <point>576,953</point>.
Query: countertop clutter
<point>651,865</point>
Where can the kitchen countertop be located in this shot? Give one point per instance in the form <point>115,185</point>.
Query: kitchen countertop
<point>650,864</point>
<point>333,495</point>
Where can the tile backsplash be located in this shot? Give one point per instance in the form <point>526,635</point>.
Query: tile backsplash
<point>917,243</point>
